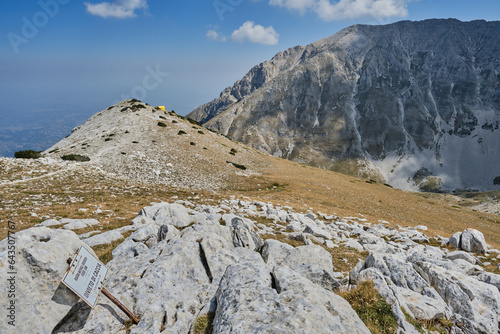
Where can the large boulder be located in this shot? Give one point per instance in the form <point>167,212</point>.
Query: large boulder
<point>250,299</point>
<point>470,240</point>
<point>473,241</point>
<point>312,262</point>
<point>244,234</point>
<point>41,300</point>
<point>168,213</point>
<point>474,304</point>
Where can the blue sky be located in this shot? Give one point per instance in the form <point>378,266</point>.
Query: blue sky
<point>80,57</point>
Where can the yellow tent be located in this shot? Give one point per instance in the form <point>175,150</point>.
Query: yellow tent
<point>161,107</point>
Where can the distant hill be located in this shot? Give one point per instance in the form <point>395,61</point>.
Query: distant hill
<point>137,141</point>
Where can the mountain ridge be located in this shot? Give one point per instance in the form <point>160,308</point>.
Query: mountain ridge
<point>398,99</point>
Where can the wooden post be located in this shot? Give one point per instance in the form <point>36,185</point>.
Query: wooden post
<point>120,305</point>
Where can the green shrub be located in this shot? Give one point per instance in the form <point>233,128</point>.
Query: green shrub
<point>75,157</point>
<point>201,132</point>
<point>192,121</point>
<point>28,154</point>
<point>181,132</point>
<point>237,165</point>
<point>192,143</point>
<point>162,124</point>
<point>108,139</point>
<point>162,117</point>
<point>233,151</point>
<point>174,121</point>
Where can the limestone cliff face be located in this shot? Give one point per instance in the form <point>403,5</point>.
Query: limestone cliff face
<point>404,98</point>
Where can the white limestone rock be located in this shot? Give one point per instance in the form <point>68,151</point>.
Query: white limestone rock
<point>41,300</point>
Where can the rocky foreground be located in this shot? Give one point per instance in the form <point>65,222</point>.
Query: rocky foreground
<point>182,262</point>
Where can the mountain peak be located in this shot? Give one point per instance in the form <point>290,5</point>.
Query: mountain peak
<point>392,99</point>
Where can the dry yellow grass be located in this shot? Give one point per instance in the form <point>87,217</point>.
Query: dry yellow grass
<point>67,195</point>
<point>306,187</point>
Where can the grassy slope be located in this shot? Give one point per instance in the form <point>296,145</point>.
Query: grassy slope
<point>301,187</point>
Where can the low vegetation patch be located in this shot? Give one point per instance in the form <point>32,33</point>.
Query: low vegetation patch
<point>371,307</point>
<point>204,324</point>
<point>27,154</point>
<point>105,252</point>
<point>162,124</point>
<point>496,180</point>
<point>282,238</point>
<point>192,121</point>
<point>75,157</point>
<point>139,106</point>
<point>182,132</point>
<point>439,325</point>
<point>243,167</point>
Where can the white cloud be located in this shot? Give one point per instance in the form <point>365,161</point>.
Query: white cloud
<point>299,5</point>
<point>119,8</point>
<point>347,9</point>
<point>255,34</point>
<point>214,35</point>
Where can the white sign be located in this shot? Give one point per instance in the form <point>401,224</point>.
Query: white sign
<point>85,276</point>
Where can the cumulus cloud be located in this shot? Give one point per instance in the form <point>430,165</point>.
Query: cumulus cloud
<point>119,8</point>
<point>213,34</point>
<point>251,32</point>
<point>347,9</point>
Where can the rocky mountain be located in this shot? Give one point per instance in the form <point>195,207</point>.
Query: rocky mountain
<point>414,104</point>
<point>183,263</point>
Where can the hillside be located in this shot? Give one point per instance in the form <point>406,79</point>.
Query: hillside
<point>414,104</point>
<point>163,163</point>
<point>137,141</point>
<point>309,248</point>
